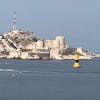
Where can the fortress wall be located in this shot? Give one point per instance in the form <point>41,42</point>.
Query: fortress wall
<point>48,44</point>
<point>56,44</point>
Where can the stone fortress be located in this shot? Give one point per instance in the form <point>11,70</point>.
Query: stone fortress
<point>22,44</point>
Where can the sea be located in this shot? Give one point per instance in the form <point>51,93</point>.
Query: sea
<point>49,80</point>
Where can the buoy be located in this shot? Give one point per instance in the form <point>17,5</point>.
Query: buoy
<point>76,63</point>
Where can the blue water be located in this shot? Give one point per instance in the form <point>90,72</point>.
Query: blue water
<point>49,80</point>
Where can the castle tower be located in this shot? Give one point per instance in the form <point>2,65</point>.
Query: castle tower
<point>61,41</point>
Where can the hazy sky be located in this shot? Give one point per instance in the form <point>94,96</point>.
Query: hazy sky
<point>77,20</point>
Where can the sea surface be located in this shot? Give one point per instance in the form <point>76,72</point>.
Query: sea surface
<point>49,80</point>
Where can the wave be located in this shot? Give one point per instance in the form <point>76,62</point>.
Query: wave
<point>45,72</point>
<point>12,70</point>
<point>7,70</point>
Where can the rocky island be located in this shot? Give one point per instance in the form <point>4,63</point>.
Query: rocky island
<point>20,44</point>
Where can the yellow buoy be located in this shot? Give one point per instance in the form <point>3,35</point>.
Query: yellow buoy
<point>76,63</point>
<point>76,57</point>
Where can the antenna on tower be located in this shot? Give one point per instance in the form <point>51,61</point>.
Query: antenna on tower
<point>14,20</point>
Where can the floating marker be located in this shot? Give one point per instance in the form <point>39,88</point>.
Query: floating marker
<point>76,63</point>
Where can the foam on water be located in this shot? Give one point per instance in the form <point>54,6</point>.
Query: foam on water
<point>12,70</point>
<point>7,70</point>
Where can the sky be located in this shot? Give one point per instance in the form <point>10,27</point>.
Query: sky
<point>77,20</point>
